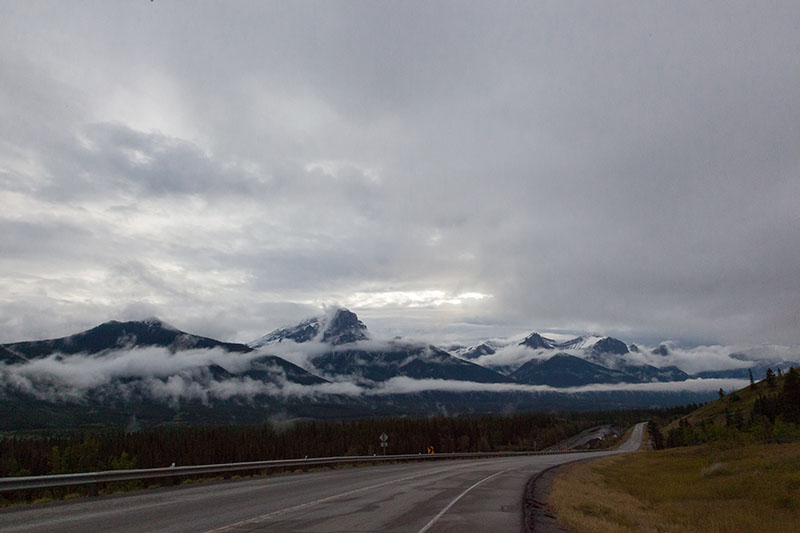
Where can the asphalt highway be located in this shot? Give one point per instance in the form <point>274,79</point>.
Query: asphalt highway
<point>435,496</point>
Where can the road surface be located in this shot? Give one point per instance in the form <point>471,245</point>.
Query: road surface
<point>582,438</point>
<point>436,496</point>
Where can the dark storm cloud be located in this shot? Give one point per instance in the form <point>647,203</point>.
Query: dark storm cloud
<point>627,168</point>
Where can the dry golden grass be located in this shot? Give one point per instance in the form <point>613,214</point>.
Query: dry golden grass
<point>704,488</point>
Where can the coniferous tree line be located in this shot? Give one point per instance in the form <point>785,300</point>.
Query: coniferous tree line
<point>163,446</point>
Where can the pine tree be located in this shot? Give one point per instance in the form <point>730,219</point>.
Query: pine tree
<point>770,378</point>
<point>656,436</point>
<point>738,420</point>
<point>790,396</point>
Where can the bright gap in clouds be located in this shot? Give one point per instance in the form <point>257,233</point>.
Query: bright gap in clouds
<point>424,298</point>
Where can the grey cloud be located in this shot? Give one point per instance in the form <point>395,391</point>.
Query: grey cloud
<point>626,168</point>
<point>38,239</point>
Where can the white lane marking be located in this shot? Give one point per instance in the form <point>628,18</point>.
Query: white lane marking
<point>267,516</point>
<point>452,503</point>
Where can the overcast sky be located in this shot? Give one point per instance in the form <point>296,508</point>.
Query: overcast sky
<point>446,170</point>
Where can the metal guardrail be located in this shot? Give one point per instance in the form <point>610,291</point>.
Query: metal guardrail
<point>64,480</point>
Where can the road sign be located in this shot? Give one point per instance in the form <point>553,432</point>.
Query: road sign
<point>383,438</point>
<point>430,449</point>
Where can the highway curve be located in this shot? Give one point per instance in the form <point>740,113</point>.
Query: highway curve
<point>435,496</point>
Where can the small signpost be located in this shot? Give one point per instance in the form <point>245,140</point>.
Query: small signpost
<point>384,441</point>
<point>430,450</point>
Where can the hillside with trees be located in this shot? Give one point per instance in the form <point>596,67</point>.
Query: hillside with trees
<point>765,411</point>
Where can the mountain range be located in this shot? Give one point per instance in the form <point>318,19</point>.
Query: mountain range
<point>116,335</point>
<point>324,366</point>
<point>341,354</point>
<point>573,363</point>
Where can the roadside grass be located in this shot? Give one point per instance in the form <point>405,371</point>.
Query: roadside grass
<point>702,488</point>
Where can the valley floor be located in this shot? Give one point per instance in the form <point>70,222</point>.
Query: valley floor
<point>701,488</point>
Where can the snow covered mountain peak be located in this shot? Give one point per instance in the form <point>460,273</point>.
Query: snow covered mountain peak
<point>339,326</point>
<point>610,345</point>
<point>342,327</point>
<point>586,341</point>
<point>536,341</point>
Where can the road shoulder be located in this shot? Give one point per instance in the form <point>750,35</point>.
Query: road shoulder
<point>538,516</point>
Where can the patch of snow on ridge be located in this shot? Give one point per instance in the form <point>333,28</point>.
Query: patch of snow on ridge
<point>336,326</point>
<point>582,342</point>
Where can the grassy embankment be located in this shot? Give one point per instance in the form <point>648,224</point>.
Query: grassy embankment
<point>701,488</point>
<point>740,401</point>
<point>732,484</point>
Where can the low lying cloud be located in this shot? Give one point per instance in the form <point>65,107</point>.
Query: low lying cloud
<point>301,353</point>
<point>181,387</point>
<point>216,375</point>
<point>404,385</point>
<point>87,371</point>
<point>512,357</point>
<point>690,360</point>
